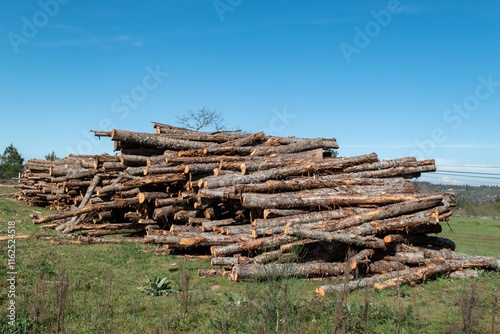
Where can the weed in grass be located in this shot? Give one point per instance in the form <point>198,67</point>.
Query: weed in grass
<point>468,301</point>
<point>343,295</point>
<point>62,285</point>
<point>158,286</point>
<point>184,283</point>
<point>494,313</point>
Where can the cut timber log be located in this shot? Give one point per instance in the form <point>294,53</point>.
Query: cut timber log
<point>136,183</point>
<point>252,271</point>
<point>154,140</point>
<point>425,240</point>
<point>262,243</point>
<point>388,211</point>
<point>337,163</point>
<point>344,238</point>
<point>89,208</point>
<point>90,191</point>
<point>298,200</point>
<point>307,218</point>
<point>213,272</point>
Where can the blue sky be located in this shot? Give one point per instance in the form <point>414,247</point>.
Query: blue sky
<point>399,78</point>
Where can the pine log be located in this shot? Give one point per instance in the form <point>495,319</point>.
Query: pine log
<point>298,200</point>
<point>208,226</point>
<point>262,243</point>
<point>388,211</point>
<point>151,196</point>
<point>168,178</point>
<point>273,213</point>
<point>213,272</point>
<point>420,240</point>
<point>154,140</point>
<point>252,271</point>
<point>90,190</point>
<point>163,212</point>
<point>195,240</point>
<point>383,266</point>
<point>344,238</point>
<point>274,173</point>
<point>307,218</point>
<point>299,146</point>
<point>89,208</point>
<point>422,273</point>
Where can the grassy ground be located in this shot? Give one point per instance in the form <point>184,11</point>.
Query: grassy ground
<point>94,289</point>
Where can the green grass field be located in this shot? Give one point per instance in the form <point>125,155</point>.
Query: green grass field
<point>94,289</point>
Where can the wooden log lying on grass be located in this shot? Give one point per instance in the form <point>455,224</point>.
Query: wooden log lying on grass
<point>408,276</point>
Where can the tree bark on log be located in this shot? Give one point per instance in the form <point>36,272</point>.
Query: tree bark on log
<point>307,218</point>
<point>262,243</point>
<point>89,208</point>
<point>168,178</point>
<point>344,238</point>
<point>154,140</point>
<point>298,200</point>
<point>90,190</point>
<point>385,212</point>
<point>231,180</point>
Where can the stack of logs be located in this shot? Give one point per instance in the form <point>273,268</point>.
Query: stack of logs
<point>262,206</point>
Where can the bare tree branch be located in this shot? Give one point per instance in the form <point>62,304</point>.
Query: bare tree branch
<point>202,118</point>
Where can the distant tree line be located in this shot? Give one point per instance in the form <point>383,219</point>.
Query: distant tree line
<point>12,163</point>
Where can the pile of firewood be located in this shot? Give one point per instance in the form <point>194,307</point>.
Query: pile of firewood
<point>262,206</point>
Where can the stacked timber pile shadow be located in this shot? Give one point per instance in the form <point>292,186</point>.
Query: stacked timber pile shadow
<point>261,206</point>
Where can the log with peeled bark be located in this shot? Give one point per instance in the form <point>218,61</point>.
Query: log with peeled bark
<point>307,217</point>
<point>249,245</point>
<point>136,183</point>
<point>273,213</point>
<point>194,240</point>
<point>228,261</point>
<point>489,262</point>
<point>185,214</point>
<point>277,173</point>
<point>154,140</point>
<point>133,160</point>
<point>425,272</point>
<point>231,150</point>
<point>252,271</point>
<point>213,272</point>
<point>171,201</point>
<point>200,168</point>
<point>209,225</point>
<point>276,256</point>
<point>88,208</point>
<point>298,146</point>
<point>427,217</point>
<point>420,240</point>
<point>245,229</point>
<point>105,226</point>
<point>325,181</point>
<point>164,211</point>
<point>384,266</point>
<point>386,164</point>
<point>90,191</point>
<point>152,196</point>
<point>299,200</point>
<point>344,238</point>
<point>247,140</point>
<point>113,165</point>
<point>388,211</point>
<point>415,258</point>
<point>114,231</point>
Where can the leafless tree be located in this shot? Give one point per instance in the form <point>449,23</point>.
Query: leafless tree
<point>202,118</point>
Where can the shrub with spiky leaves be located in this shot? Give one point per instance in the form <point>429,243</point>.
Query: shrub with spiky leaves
<point>158,286</point>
